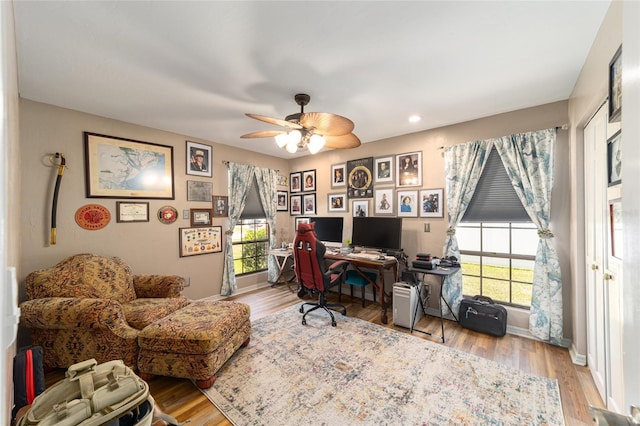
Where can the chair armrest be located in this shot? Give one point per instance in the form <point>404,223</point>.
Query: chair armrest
<point>70,313</point>
<point>338,266</point>
<point>150,286</point>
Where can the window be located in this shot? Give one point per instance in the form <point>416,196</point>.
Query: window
<point>497,260</point>
<point>251,236</point>
<point>497,240</point>
<point>250,245</point>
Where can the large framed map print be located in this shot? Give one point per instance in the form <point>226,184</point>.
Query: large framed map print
<point>125,168</point>
<point>360,178</point>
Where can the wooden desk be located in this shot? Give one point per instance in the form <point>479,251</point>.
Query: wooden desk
<point>380,266</point>
<point>442,273</point>
<point>282,256</point>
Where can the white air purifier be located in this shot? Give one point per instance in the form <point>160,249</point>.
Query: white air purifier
<point>405,300</point>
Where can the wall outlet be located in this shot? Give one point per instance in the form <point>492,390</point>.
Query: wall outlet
<point>427,227</point>
<point>185,214</point>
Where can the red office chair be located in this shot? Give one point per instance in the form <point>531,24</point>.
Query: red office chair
<point>312,274</point>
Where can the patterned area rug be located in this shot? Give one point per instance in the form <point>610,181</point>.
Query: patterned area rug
<point>359,373</point>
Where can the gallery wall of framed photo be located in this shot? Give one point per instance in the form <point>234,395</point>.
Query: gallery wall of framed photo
<point>200,236</point>
<point>387,185</point>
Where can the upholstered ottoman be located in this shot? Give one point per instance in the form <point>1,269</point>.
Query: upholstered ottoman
<point>194,342</point>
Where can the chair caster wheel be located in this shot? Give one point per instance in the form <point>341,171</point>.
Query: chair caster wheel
<point>344,313</point>
<point>333,324</point>
<point>304,322</point>
<point>301,310</point>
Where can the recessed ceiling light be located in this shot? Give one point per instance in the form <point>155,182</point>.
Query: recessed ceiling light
<point>414,118</point>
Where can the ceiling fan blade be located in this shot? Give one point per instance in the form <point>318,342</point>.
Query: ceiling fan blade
<point>326,124</point>
<point>275,121</point>
<point>342,142</point>
<point>263,134</point>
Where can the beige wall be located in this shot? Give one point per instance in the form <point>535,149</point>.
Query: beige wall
<point>588,94</point>
<point>9,206</point>
<point>152,247</point>
<point>414,239</point>
<point>149,247</point>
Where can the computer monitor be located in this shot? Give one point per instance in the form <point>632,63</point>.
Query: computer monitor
<point>329,230</point>
<point>383,233</point>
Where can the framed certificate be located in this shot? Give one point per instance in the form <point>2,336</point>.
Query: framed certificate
<point>132,212</point>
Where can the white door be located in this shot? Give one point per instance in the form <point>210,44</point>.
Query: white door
<point>595,154</point>
<point>603,264</point>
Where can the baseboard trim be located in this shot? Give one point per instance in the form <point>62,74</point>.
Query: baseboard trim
<point>577,358</point>
<point>239,291</point>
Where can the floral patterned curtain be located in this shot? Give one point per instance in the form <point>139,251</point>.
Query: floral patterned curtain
<point>528,159</point>
<point>267,180</point>
<point>240,177</point>
<point>463,167</point>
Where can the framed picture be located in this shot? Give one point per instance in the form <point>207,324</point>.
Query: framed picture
<point>309,180</point>
<point>337,202</point>
<point>615,220</point>
<point>337,175</point>
<point>300,220</point>
<point>200,217</point>
<point>408,203</point>
<point>294,182</point>
<point>132,212</point>
<point>283,201</point>
<point>383,202</point>
<point>383,167</point>
<point>615,87</point>
<point>220,205</point>
<point>199,191</point>
<point>119,168</point>
<point>194,241</point>
<point>431,203</point>
<point>614,159</point>
<point>199,159</point>
<point>360,208</point>
<point>295,205</point>
<point>309,204</point>
<point>283,180</point>
<point>409,169</point>
<point>360,178</point>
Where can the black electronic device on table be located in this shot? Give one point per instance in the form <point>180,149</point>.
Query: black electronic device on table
<point>384,233</point>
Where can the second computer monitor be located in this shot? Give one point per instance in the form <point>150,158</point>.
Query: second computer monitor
<point>383,233</point>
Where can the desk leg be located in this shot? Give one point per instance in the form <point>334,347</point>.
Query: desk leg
<point>384,297</point>
<point>282,264</point>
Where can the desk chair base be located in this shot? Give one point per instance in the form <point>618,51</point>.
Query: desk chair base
<point>322,304</point>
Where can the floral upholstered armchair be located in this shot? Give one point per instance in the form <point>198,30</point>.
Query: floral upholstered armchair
<point>90,306</point>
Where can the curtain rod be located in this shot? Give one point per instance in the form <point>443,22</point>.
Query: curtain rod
<point>226,163</point>
<point>562,127</point>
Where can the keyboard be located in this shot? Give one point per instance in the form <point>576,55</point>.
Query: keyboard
<point>368,256</point>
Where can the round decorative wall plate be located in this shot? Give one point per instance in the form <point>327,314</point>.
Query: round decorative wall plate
<point>92,217</point>
<point>167,214</point>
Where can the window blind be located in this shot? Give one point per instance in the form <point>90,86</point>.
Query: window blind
<point>253,206</point>
<point>495,200</point>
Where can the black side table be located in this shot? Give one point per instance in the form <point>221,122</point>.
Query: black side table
<point>439,272</point>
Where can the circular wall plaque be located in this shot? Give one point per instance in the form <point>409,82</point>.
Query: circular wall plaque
<point>92,217</point>
<point>167,214</point>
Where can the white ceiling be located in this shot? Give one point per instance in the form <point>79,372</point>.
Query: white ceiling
<point>195,68</point>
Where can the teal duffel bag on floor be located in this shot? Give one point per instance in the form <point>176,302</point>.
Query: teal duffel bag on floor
<point>94,394</point>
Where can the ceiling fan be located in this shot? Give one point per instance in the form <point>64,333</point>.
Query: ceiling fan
<point>311,130</point>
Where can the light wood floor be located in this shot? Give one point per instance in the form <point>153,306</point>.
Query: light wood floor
<point>181,399</point>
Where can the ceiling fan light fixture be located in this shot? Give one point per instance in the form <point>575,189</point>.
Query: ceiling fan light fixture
<point>292,146</point>
<point>282,139</point>
<point>313,131</point>
<point>316,142</point>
